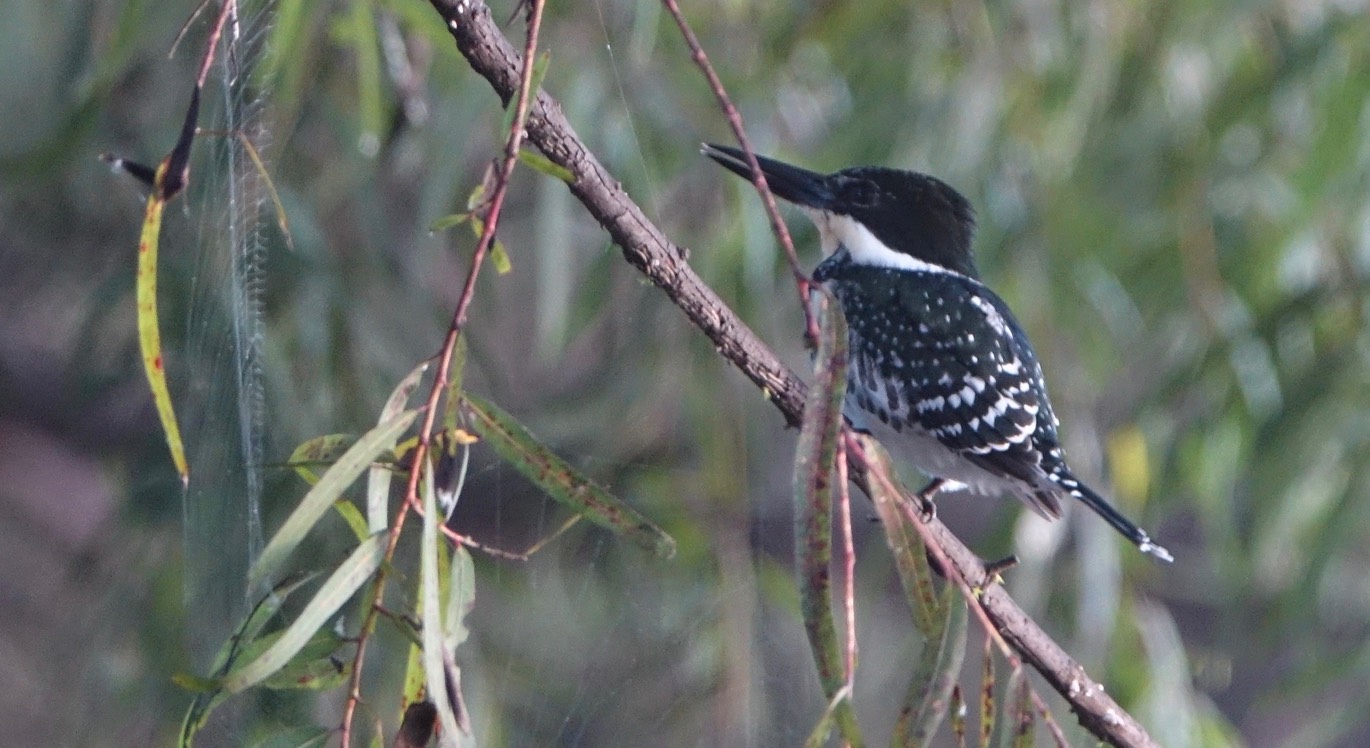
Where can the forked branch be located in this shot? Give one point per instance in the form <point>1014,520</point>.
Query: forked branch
<point>663,262</point>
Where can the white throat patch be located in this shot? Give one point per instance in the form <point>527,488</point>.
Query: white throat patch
<point>836,231</point>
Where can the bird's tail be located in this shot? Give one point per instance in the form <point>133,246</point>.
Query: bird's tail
<point>1122,524</point>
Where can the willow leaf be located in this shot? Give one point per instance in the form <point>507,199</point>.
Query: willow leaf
<point>321,451</point>
<point>350,575</point>
<point>325,492</point>
<point>378,479</point>
<point>930,691</point>
<point>814,470</point>
<point>149,334</point>
<point>559,480</point>
<point>905,544</point>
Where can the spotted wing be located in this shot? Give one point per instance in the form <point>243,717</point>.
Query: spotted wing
<point>969,376</point>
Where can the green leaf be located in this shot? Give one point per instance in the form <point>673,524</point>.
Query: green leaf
<point>818,736</point>
<point>317,452</point>
<point>958,716</point>
<point>311,669</point>
<point>929,694</point>
<point>475,199</point>
<point>149,335</point>
<point>414,681</point>
<point>195,683</point>
<point>910,556</point>
<point>325,492</point>
<point>262,613</point>
<point>455,375</point>
<point>335,592</point>
<point>498,256</point>
<point>559,480</point>
<point>448,221</point>
<point>378,479</point>
<point>539,162</point>
<point>461,597</point>
<point>435,658</point>
<point>1020,714</point>
<point>987,708</point>
<point>814,472</point>
<point>353,517</point>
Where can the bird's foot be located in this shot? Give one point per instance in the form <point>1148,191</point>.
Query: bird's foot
<point>926,508</point>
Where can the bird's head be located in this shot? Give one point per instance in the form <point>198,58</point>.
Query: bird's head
<point>882,217</point>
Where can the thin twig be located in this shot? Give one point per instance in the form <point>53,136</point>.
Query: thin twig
<point>778,227</point>
<point>648,249</point>
<point>229,7</point>
<point>492,216</point>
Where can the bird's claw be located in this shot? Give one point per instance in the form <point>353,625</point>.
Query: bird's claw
<point>927,509</point>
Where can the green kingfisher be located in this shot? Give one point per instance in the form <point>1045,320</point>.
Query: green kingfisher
<point>939,370</point>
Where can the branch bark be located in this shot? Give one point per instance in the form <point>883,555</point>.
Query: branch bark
<point>663,262</point>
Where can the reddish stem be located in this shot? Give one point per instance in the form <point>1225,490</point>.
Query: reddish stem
<point>492,216</point>
<point>782,232</point>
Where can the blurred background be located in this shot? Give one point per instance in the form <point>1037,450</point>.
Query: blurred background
<point>1173,197</point>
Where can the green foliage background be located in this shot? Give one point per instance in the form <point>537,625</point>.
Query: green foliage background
<point>1173,197</point>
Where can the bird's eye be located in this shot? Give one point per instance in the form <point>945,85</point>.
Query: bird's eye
<point>860,193</point>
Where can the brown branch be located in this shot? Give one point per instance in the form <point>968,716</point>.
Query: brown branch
<point>512,145</point>
<point>643,244</point>
<point>663,262</point>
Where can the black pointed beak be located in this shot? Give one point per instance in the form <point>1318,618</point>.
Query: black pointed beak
<point>799,186</point>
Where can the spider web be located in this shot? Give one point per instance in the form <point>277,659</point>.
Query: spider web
<point>225,335</point>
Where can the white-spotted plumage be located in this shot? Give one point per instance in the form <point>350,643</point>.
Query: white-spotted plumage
<point>939,370</point>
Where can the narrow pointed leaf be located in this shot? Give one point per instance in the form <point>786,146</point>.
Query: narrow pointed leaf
<point>312,457</point>
<point>353,517</point>
<point>498,256</point>
<point>461,597</point>
<point>539,162</point>
<point>910,556</point>
<point>1018,714</point>
<point>378,479</point>
<point>930,691</point>
<point>814,472</point>
<point>818,736</point>
<point>149,334</point>
<point>987,696</point>
<point>434,674</point>
<point>456,373</point>
<point>413,692</point>
<point>958,716</point>
<point>448,221</point>
<point>559,480</point>
<point>211,689</point>
<point>315,667</point>
<point>261,615</point>
<point>325,492</point>
<point>344,582</point>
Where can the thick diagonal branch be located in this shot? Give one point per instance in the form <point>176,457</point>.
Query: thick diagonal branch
<point>664,263</point>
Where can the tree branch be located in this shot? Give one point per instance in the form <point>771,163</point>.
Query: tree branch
<point>663,262</point>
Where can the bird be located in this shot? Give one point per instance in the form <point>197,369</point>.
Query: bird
<point>939,371</point>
